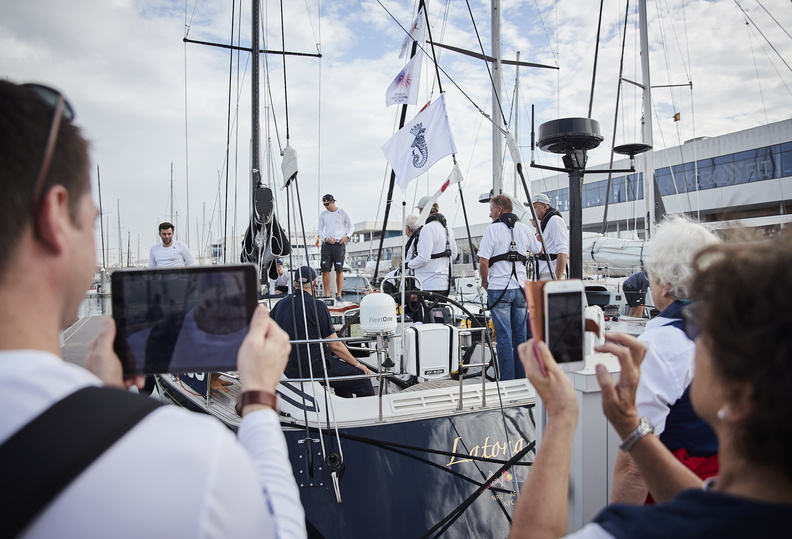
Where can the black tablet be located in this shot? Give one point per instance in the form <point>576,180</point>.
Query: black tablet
<point>187,319</point>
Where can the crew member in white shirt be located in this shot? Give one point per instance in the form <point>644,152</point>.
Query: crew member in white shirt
<point>556,237</point>
<point>433,252</point>
<point>335,230</point>
<point>170,253</point>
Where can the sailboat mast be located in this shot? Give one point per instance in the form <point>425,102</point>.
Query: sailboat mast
<point>255,154</point>
<point>101,214</point>
<point>497,118</point>
<point>648,161</point>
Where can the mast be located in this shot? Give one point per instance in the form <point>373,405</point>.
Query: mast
<point>255,155</point>
<point>648,161</point>
<point>497,117</point>
<point>515,123</point>
<point>101,224</point>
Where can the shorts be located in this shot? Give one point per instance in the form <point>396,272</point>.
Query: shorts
<point>332,256</point>
<point>634,297</point>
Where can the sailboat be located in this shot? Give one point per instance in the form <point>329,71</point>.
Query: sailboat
<point>434,453</point>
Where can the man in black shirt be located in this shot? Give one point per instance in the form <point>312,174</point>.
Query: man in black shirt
<point>299,312</point>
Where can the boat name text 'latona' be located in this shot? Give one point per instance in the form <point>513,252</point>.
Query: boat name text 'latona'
<point>488,450</point>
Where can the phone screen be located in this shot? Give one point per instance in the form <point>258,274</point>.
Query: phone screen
<point>564,326</point>
<point>189,319</point>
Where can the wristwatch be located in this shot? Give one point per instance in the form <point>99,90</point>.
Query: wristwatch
<point>643,428</point>
<point>256,397</point>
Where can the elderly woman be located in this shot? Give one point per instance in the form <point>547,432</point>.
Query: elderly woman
<point>741,389</point>
<point>666,373</point>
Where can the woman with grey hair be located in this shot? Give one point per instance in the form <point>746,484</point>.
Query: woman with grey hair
<point>667,371</point>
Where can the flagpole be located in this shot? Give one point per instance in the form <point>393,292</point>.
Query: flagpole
<point>392,182</point>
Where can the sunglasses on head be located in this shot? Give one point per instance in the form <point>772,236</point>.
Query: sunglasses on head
<point>60,109</point>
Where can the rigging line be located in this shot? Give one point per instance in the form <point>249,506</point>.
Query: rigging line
<point>496,91</point>
<point>186,144</point>
<point>456,513</point>
<point>228,130</point>
<point>756,69</point>
<point>444,72</point>
<point>330,409</point>
<point>762,34</point>
<point>285,89</point>
<point>596,58</point>
<point>236,144</point>
<point>434,53</point>
<point>188,24</point>
<point>774,19</point>
<point>615,121</point>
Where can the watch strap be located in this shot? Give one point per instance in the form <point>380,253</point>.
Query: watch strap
<point>256,397</point>
<point>644,427</point>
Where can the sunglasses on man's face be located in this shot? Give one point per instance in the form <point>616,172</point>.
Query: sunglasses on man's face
<point>60,109</point>
<point>325,204</point>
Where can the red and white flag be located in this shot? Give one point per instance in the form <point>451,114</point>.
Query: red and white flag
<point>404,88</point>
<point>423,141</point>
<point>416,32</point>
<point>453,178</point>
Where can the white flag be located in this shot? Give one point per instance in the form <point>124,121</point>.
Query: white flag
<point>453,178</point>
<point>416,32</point>
<point>404,88</point>
<point>414,148</point>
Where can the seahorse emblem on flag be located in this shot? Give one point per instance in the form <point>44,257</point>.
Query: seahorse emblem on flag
<point>422,154</point>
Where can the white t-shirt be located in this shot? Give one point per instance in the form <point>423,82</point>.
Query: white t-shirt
<point>335,224</point>
<point>556,239</point>
<point>433,273</point>
<point>174,256</point>
<point>496,240</point>
<point>174,474</point>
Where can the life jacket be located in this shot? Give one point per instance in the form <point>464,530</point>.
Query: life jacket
<point>413,241</point>
<point>512,255</point>
<point>543,224</point>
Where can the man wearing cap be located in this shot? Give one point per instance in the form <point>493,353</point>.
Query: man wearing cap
<point>300,311</point>
<point>335,229</point>
<point>556,237</point>
<point>432,249</point>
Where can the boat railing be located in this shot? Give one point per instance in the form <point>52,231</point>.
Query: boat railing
<point>464,343</point>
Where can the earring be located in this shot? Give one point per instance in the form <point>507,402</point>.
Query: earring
<point>722,413</point>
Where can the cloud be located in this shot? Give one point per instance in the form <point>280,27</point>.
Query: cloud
<point>124,67</point>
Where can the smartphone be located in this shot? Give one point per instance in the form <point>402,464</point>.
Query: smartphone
<point>564,322</point>
<point>187,319</point>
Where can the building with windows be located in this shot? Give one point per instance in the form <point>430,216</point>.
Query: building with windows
<point>738,179</point>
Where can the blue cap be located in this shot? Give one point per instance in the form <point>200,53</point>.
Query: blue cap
<point>304,275</point>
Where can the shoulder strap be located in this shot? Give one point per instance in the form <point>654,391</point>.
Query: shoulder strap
<point>48,453</point>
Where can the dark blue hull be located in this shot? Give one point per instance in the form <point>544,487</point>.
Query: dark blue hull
<point>397,491</point>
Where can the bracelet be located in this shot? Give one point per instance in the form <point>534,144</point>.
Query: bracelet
<point>256,397</point>
<point>643,428</point>
<point>358,365</point>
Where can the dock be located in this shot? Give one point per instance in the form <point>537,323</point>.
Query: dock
<point>76,338</point>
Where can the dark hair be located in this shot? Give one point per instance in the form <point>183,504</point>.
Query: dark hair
<point>503,202</point>
<point>166,225</point>
<point>24,124</point>
<point>745,320</point>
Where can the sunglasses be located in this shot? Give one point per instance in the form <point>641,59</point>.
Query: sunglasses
<point>60,109</point>
<point>326,204</point>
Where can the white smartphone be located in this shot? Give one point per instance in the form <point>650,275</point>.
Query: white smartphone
<point>564,322</point>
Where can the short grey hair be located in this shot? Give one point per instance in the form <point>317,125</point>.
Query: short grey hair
<point>411,221</point>
<point>672,249</point>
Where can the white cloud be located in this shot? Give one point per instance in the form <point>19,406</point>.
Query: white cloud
<point>122,65</point>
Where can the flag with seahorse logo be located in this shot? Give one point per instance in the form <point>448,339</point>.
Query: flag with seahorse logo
<point>423,141</point>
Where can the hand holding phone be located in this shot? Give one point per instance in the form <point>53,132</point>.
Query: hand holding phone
<point>565,323</point>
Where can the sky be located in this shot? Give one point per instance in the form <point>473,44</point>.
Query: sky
<point>156,110</point>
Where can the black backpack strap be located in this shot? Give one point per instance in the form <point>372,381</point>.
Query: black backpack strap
<point>48,453</point>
